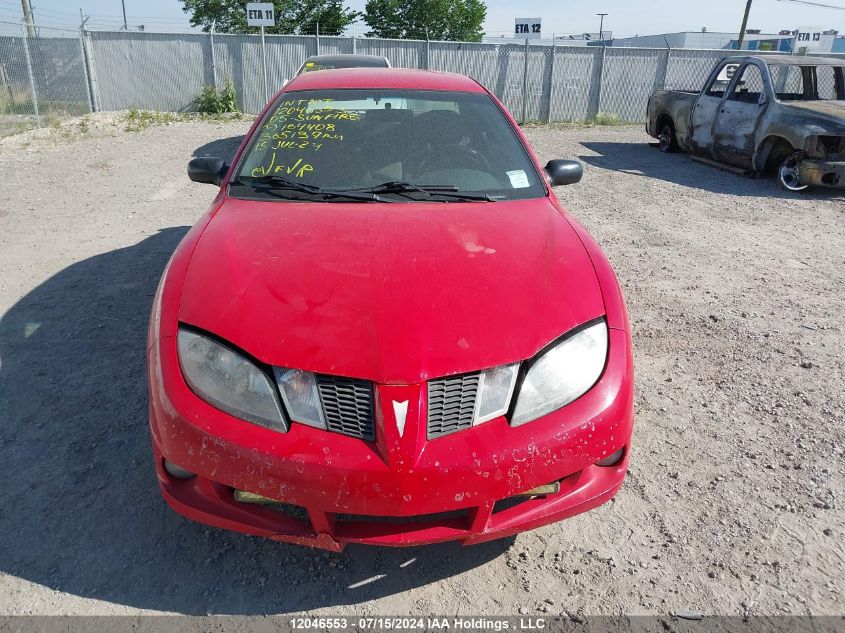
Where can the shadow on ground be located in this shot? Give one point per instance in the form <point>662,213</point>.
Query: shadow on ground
<point>646,160</point>
<point>81,511</point>
<point>224,148</point>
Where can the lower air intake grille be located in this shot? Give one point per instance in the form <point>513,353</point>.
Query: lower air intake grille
<point>451,403</point>
<point>348,405</point>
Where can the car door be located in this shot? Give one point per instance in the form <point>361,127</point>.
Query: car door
<point>738,118</point>
<point>707,106</point>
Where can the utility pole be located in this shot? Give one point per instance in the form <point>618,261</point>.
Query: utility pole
<point>123,3</point>
<point>744,24</point>
<point>601,27</point>
<point>27,17</point>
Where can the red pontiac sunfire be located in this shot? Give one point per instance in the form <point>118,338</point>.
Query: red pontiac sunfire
<point>386,329</point>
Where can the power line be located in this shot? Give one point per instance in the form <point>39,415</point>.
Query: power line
<point>104,15</point>
<point>815,4</point>
<point>52,11</point>
<point>103,20</point>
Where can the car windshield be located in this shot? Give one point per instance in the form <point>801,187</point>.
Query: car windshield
<point>398,144</point>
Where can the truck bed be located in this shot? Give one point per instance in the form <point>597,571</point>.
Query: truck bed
<point>676,104</point>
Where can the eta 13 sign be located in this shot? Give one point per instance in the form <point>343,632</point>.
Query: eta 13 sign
<point>809,37</point>
<point>527,28</point>
<point>260,14</point>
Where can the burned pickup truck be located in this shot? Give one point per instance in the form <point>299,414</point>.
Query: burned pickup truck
<point>772,114</point>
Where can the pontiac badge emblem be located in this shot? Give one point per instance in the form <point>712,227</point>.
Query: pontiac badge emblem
<point>400,410</point>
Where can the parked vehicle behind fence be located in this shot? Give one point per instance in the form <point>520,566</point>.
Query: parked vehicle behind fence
<point>780,114</point>
<point>330,62</point>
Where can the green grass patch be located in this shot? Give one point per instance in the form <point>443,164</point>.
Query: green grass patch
<point>210,100</point>
<point>138,120</point>
<point>612,121</point>
<point>607,118</point>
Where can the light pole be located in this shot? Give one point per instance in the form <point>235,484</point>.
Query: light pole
<point>744,24</point>
<point>601,27</point>
<point>123,3</point>
<point>27,17</point>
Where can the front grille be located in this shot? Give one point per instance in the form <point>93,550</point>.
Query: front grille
<point>451,404</point>
<point>436,517</point>
<point>348,405</point>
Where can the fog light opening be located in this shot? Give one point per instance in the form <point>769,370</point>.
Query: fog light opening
<point>613,459</point>
<point>541,491</point>
<point>177,471</point>
<point>830,178</point>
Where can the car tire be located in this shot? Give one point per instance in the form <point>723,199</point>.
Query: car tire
<point>788,173</point>
<point>668,143</point>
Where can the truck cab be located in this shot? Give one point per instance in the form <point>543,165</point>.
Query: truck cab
<point>728,113</point>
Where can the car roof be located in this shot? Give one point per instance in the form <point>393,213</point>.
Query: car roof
<point>404,78</point>
<point>370,60</point>
<point>788,60</point>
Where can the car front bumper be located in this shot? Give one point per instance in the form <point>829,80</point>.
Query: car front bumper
<point>822,173</point>
<point>401,489</point>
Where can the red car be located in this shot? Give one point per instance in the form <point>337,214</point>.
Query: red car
<point>386,329</point>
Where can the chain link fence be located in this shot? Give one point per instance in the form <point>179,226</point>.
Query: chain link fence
<point>43,76</point>
<point>48,73</point>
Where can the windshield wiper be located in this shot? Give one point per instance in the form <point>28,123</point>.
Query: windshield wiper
<point>271,183</point>
<point>448,191</point>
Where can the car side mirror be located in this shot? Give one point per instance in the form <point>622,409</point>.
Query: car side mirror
<point>564,172</point>
<point>209,169</point>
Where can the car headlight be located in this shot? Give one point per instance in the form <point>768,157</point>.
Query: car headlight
<point>562,373</point>
<point>229,381</point>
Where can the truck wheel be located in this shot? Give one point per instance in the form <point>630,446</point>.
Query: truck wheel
<point>788,172</point>
<point>666,136</point>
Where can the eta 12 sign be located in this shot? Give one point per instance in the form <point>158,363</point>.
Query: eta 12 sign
<point>527,28</point>
<point>260,14</point>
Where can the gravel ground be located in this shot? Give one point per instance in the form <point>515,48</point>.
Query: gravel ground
<point>734,502</point>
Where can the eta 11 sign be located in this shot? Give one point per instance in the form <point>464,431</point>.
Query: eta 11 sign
<point>260,14</point>
<point>527,28</point>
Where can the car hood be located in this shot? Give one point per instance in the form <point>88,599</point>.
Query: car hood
<point>395,293</point>
<point>828,112</point>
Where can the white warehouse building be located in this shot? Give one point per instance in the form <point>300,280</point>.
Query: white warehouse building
<point>754,40</point>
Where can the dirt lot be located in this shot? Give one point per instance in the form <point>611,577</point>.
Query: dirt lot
<point>734,503</point>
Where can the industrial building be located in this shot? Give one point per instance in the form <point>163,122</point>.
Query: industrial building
<point>784,41</point>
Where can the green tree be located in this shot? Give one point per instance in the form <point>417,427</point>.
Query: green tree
<point>292,16</point>
<point>454,20</point>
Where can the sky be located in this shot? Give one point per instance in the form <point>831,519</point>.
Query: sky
<point>625,17</point>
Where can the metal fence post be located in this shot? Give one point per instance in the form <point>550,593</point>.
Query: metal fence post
<point>525,85</point>
<point>87,63</point>
<point>354,45</point>
<point>317,38</point>
<point>264,66</point>
<point>427,51</point>
<point>85,69</point>
<point>213,58</point>
<point>551,81</point>
<point>29,72</point>
<point>600,88</point>
<point>666,67</point>
<point>92,73</point>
